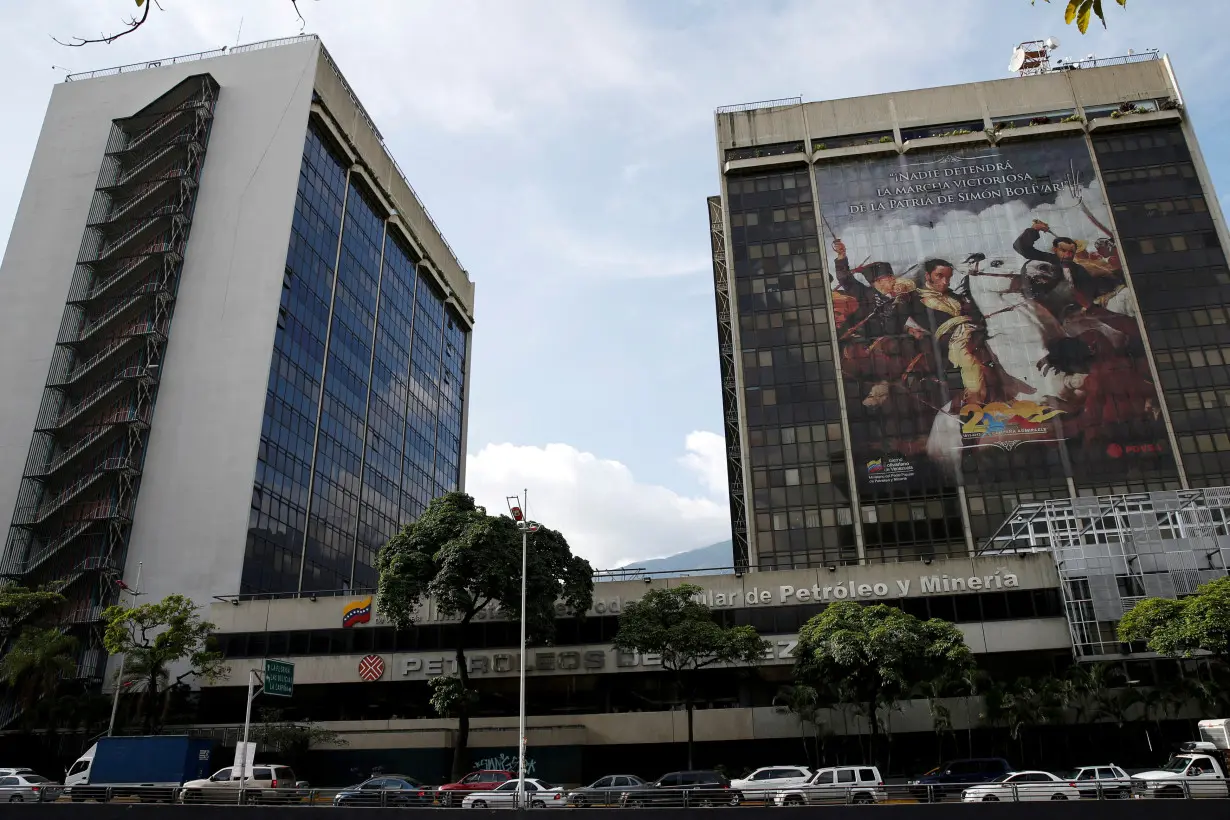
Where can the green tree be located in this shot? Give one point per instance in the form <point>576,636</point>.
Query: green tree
<point>159,639</point>
<point>466,561</point>
<point>676,625</point>
<point>17,603</point>
<point>36,662</point>
<point>808,704</point>
<point>1183,628</point>
<point>1082,11</point>
<point>878,653</point>
<point>291,739</point>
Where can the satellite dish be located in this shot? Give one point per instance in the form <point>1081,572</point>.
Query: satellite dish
<point>1018,59</point>
<point>1051,43</point>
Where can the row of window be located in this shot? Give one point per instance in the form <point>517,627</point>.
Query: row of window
<point>777,620</point>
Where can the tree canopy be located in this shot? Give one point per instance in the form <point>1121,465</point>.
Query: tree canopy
<point>466,561</point>
<point>877,653</point>
<point>156,637</point>
<point>674,624</point>
<point>1083,11</point>
<point>17,603</point>
<point>1181,628</point>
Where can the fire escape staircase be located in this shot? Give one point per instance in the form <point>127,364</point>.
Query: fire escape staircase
<point>74,508</point>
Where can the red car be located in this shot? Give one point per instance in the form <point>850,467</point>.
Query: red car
<point>481,781</point>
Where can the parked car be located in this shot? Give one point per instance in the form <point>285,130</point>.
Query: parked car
<point>9,771</point>
<point>269,783</point>
<point>955,775</point>
<point>538,794</point>
<point>1105,782</point>
<point>762,783</point>
<point>693,788</point>
<point>28,787</point>
<point>1022,786</point>
<point>605,791</point>
<point>387,790</point>
<point>839,784</point>
<point>484,780</point>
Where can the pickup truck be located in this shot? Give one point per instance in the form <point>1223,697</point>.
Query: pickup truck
<point>1199,769</point>
<point>149,768</point>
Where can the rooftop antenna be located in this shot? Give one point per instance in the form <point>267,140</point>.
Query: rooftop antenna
<point>1032,57</point>
<point>239,33</point>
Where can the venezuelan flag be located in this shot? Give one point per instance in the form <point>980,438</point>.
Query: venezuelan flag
<point>357,612</point>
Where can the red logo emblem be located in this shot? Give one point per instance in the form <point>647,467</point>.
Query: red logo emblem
<point>1114,451</point>
<point>371,668</point>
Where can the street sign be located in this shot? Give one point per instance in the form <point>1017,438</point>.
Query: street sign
<point>279,677</point>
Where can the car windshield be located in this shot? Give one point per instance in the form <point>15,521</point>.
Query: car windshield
<point>34,778</point>
<point>1000,779</point>
<point>1176,764</point>
<point>1068,774</point>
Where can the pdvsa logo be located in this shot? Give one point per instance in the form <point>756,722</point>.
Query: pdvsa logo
<point>1115,450</point>
<point>357,612</point>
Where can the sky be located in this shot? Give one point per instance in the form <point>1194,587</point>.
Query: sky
<point>565,148</point>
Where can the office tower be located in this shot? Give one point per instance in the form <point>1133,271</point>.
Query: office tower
<point>937,305</point>
<point>235,333</point>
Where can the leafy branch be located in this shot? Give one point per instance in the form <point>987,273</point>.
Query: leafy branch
<point>1082,11</point>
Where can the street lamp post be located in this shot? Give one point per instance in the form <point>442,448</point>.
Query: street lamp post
<point>119,681</point>
<point>526,527</point>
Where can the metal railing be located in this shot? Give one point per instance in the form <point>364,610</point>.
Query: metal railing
<point>781,102</point>
<point>1103,62</point>
<point>186,58</point>
<point>649,797</point>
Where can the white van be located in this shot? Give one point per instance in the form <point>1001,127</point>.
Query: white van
<point>78,774</point>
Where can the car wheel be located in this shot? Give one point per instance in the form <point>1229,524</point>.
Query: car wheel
<point>736,799</point>
<point>637,804</point>
<point>477,804</point>
<point>1124,794</point>
<point>16,798</point>
<point>448,800</point>
<point>579,802</point>
<point>794,800</point>
<point>861,799</point>
<point>1059,796</point>
<point>990,798</point>
<point>538,804</point>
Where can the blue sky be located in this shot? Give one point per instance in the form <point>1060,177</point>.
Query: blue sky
<point>565,147</point>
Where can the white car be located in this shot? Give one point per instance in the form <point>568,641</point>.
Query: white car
<point>1104,782</point>
<point>761,783</point>
<point>28,787</point>
<point>839,784</point>
<point>539,794</point>
<point>1021,786</point>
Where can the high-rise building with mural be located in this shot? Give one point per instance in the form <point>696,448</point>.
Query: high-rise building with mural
<point>937,305</point>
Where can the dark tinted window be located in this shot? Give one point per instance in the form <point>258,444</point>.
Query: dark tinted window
<point>845,775</point>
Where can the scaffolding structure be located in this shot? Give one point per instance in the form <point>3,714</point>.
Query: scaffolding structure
<point>1113,551</point>
<point>730,389</point>
<point>73,514</point>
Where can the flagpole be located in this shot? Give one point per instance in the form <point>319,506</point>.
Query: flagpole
<point>119,679</point>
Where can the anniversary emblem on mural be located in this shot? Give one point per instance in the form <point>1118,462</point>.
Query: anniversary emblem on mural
<point>371,668</point>
<point>982,313</point>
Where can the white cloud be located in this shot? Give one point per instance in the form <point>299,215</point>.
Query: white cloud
<point>608,516</point>
<point>706,457</point>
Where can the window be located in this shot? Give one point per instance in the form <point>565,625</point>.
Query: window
<point>605,783</point>
<point>792,477</point>
<point>867,775</point>
<point>823,778</point>
<point>1106,774</point>
<point>262,774</point>
<point>222,774</point>
<point>8,781</point>
<point>510,786</point>
<point>845,775</point>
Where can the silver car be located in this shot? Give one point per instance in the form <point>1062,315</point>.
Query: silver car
<point>27,788</point>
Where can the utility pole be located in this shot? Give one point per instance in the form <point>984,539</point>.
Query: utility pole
<point>518,513</point>
<point>119,680</point>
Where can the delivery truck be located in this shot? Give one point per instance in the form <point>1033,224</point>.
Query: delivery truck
<point>150,768</point>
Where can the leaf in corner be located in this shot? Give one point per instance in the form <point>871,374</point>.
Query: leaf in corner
<point>1069,14</point>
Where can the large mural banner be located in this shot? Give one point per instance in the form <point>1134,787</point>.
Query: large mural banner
<point>981,311</point>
